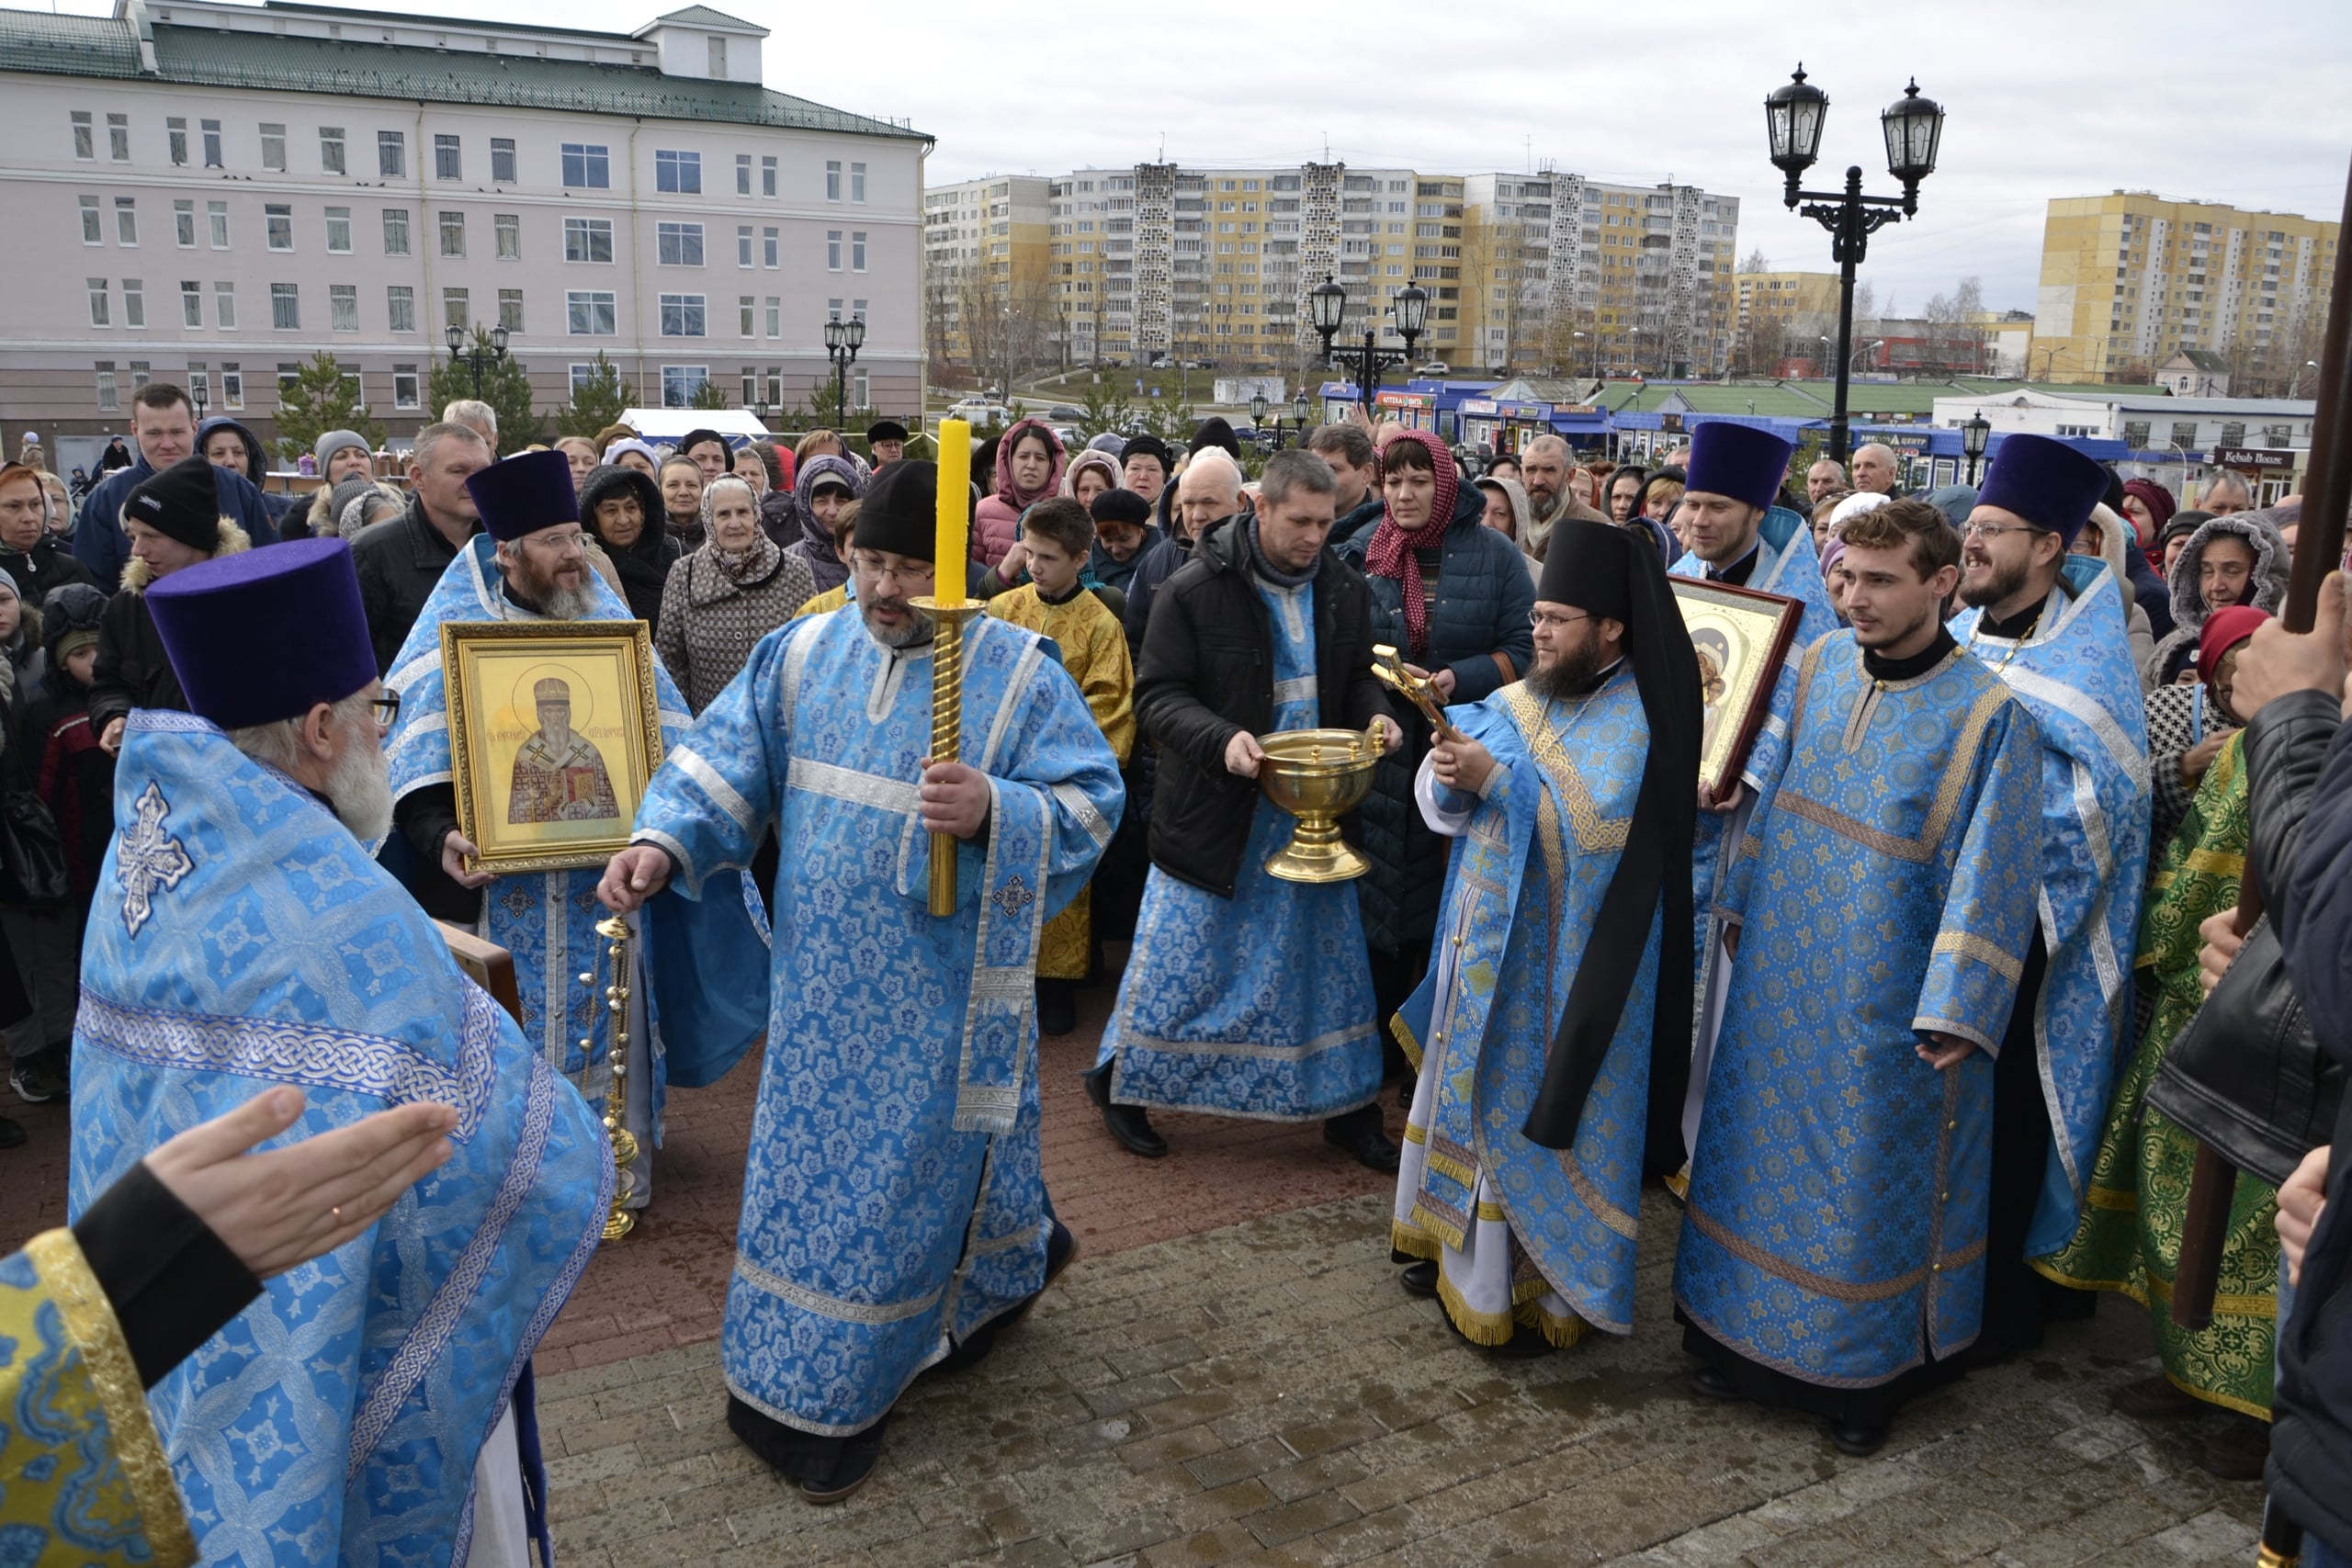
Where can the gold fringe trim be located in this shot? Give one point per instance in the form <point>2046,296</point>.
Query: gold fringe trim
<point>1562,1332</point>
<point>1446,1165</point>
<point>1679,1184</point>
<point>1405,1238</point>
<point>2111,1197</point>
<point>1405,1039</point>
<point>1434,1226</point>
<point>90,1321</point>
<point>1489,1329</point>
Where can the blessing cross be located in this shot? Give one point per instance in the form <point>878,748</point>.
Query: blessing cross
<point>148,859</point>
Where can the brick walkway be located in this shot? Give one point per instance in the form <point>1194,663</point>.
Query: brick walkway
<point>1264,1393</point>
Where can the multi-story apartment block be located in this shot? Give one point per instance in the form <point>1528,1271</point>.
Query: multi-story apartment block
<point>986,270</point>
<point>2129,279</point>
<point>210,193</point>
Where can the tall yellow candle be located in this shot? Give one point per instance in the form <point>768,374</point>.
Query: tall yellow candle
<point>954,504</point>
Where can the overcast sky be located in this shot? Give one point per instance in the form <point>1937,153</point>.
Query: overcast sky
<point>2046,99</point>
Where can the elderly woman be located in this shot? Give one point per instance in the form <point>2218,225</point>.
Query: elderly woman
<point>619,507</point>
<point>726,596</point>
<point>827,483</point>
<point>1506,512</point>
<point>1090,473</point>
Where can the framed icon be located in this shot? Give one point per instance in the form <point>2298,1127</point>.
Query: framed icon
<point>553,738</point>
<point>1742,638</point>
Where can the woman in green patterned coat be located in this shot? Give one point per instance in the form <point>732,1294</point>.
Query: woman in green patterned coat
<point>2128,1240</point>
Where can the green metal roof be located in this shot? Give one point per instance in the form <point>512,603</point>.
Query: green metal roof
<point>1775,401</point>
<point>1979,386</point>
<point>99,45</point>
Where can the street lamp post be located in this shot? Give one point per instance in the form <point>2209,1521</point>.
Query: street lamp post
<point>476,358</point>
<point>1258,406</point>
<point>200,395</point>
<point>1794,114</point>
<point>1299,407</point>
<point>1975,432</point>
<point>843,340</point>
<point>1328,302</point>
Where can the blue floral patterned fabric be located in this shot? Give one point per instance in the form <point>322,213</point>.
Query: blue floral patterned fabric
<point>1261,1005</point>
<point>893,1201</point>
<point>1522,893</point>
<point>548,919</point>
<point>244,938</point>
<point>1836,1216</point>
<point>2074,674</point>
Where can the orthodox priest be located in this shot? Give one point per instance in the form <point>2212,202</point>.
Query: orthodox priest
<point>375,1403</point>
<point>894,1216</point>
<point>1833,1247</point>
<point>1246,995</point>
<point>2053,626</point>
<point>1552,1030</point>
<point>1739,537</point>
<point>529,564</point>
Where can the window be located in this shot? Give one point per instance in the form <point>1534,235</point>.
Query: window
<point>857,182</point>
<point>288,372</point>
<point>681,382</point>
<point>2184,434</point>
<point>767,175</point>
<point>678,245</point>
<point>774,309</point>
<point>446,165</point>
<point>857,309</point>
<point>682,315</point>
<point>191,304</point>
<point>407,393</point>
<point>588,239</point>
<point>342,306</point>
<point>279,221</point>
<point>833,250</point>
<point>2233,434</point>
<point>832,179</point>
<point>100,315</point>
<point>232,384</point>
<point>589,313</point>
<point>510,309</point>
<point>502,160</point>
<point>587,164</point>
<point>286,307</point>
<point>2135,433</point>
<point>330,160</point>
<point>769,246</point>
<point>210,129</point>
<point>742,169</point>
<point>718,59</point>
<point>84,149</point>
<point>273,148</point>
<point>396,230</point>
<point>456,308</point>
<point>583,374</point>
<point>859,391</point>
<point>126,219</point>
<point>678,171</point>
<point>391,155</point>
<point>400,307</point>
<point>224,314</point>
<point>339,231</point>
<point>176,138</point>
<point>183,224</point>
<point>453,233</point>
<point>747,308</point>
<point>857,250</point>
<point>91,234</point>
<point>118,138</point>
<point>110,396</point>
<point>507,229</point>
<point>744,245</point>
<point>217,214</point>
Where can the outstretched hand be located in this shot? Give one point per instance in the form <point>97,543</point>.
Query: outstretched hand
<point>2275,661</point>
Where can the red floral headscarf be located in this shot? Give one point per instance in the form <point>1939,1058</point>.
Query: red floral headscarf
<point>1391,554</point>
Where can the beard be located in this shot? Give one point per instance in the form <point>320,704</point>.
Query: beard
<point>360,787</point>
<point>554,600</point>
<point>1573,674</point>
<point>911,630</point>
<point>2004,583</point>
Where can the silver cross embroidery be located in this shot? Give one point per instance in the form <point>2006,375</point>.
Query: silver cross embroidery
<point>147,859</point>
<point>1012,897</point>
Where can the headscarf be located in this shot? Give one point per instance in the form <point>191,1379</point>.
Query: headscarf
<point>816,545</point>
<point>1011,494</point>
<point>1394,550</point>
<point>2224,629</point>
<point>1090,457</point>
<point>2160,505</point>
<point>1521,511</point>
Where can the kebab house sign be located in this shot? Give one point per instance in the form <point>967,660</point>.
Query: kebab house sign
<point>2253,459</point>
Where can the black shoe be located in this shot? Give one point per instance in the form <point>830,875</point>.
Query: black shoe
<point>1857,1440</point>
<point>36,1078</point>
<point>1060,1248</point>
<point>1709,1383</point>
<point>825,1469</point>
<point>1128,1127</point>
<point>1057,1007</point>
<point>1419,1279</point>
<point>1358,1133</point>
<point>854,1461</point>
<point>12,1133</point>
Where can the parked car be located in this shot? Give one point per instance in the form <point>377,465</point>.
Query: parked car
<point>979,412</point>
<point>1061,413</point>
<point>1434,368</point>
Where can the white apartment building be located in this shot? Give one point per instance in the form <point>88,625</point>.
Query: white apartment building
<point>209,193</point>
<point>984,241</point>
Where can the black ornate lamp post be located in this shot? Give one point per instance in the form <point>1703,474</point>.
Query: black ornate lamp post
<point>843,340</point>
<point>1793,116</point>
<point>1328,304</point>
<point>198,394</point>
<point>1975,431</point>
<point>1299,407</point>
<point>1258,406</point>
<point>476,358</point>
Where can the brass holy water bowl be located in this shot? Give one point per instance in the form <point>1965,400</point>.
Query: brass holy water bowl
<point>1318,777</point>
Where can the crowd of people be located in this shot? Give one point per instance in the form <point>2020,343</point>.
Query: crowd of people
<point>1883,1009</point>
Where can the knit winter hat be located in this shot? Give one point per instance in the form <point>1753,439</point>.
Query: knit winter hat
<point>181,502</point>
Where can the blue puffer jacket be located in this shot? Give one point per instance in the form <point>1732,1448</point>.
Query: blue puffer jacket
<point>100,543</point>
<point>1478,602</point>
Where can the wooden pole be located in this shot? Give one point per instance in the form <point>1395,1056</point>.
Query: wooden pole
<point>2319,549</point>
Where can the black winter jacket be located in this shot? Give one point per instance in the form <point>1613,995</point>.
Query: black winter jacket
<point>132,670</point>
<point>1479,596</point>
<point>1207,672</point>
<point>400,560</point>
<point>46,566</point>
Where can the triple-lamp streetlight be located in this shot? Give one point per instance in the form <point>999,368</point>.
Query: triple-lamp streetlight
<point>1794,114</point>
<point>476,358</point>
<point>1328,304</point>
<point>843,340</point>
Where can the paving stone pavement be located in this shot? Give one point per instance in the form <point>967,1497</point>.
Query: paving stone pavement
<point>1264,1393</point>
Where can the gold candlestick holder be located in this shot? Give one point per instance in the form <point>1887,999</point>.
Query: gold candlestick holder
<point>948,616</point>
<point>615,931</point>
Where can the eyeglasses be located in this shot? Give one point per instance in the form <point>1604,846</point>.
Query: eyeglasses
<point>1995,530</point>
<point>388,708</point>
<point>557,544</point>
<point>1539,619</point>
<point>907,572</point>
